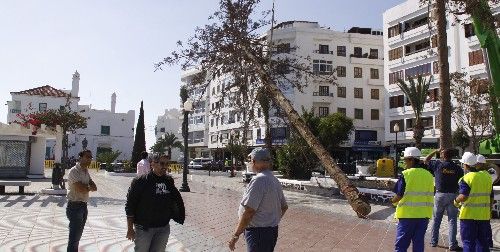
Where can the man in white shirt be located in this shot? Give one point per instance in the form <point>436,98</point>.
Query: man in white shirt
<point>143,166</point>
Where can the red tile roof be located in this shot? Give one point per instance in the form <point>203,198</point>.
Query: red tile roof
<point>44,91</point>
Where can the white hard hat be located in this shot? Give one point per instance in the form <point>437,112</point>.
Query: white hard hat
<point>412,152</point>
<point>468,159</point>
<point>481,159</point>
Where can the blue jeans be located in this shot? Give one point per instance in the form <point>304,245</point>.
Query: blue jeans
<point>261,239</point>
<point>151,239</point>
<point>442,202</point>
<point>77,215</point>
<point>476,235</point>
<point>411,230</point>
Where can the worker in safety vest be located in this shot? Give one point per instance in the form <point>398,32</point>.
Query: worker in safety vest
<point>475,201</point>
<point>414,201</point>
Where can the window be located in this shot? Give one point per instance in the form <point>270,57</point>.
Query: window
<point>341,71</point>
<point>105,130</point>
<point>42,107</point>
<point>63,107</point>
<point>213,138</point>
<point>396,101</point>
<point>162,129</point>
<point>213,91</point>
<point>342,111</point>
<point>341,51</point>
<point>374,94</point>
<point>324,49</point>
<point>259,113</point>
<point>323,111</point>
<point>324,91</point>
<point>374,114</point>
<point>358,114</point>
<point>358,51</point>
<point>373,53</point>
<point>394,77</point>
<point>322,66</point>
<point>394,30</point>
<point>212,122</point>
<point>396,53</point>
<point>365,135</point>
<point>279,133</point>
<point>283,48</point>
<point>259,133</point>
<point>427,122</point>
<point>358,72</point>
<point>424,70</point>
<point>358,93</point>
<point>435,67</point>
<point>341,92</point>
<point>469,30</point>
<point>475,58</point>
<point>374,73</point>
<point>433,95</point>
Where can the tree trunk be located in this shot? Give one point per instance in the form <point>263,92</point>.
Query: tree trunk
<point>266,107</point>
<point>418,133</point>
<point>169,151</point>
<point>361,207</point>
<point>444,77</point>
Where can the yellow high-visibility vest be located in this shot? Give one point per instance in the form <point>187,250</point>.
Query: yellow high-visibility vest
<point>418,198</point>
<point>478,204</point>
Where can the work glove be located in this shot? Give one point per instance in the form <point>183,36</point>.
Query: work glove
<point>457,204</point>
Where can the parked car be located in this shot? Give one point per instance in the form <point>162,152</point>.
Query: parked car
<point>200,163</point>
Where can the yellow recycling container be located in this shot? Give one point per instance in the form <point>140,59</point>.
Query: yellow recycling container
<point>385,167</point>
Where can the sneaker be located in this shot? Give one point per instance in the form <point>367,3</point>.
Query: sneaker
<point>457,248</point>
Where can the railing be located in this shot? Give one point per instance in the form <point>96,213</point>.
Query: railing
<point>49,164</point>
<point>323,52</point>
<point>322,94</point>
<point>417,51</point>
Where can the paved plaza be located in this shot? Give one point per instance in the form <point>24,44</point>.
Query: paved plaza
<point>37,222</point>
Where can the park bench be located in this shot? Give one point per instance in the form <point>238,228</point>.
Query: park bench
<point>299,185</point>
<point>20,183</point>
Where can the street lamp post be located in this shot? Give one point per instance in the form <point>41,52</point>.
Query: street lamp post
<point>187,107</point>
<point>396,130</point>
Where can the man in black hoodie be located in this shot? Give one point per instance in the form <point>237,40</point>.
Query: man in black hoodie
<point>153,200</point>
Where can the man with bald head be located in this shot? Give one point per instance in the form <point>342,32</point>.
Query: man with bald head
<point>446,177</point>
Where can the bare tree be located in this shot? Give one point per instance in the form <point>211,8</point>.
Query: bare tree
<point>232,46</point>
<point>472,111</point>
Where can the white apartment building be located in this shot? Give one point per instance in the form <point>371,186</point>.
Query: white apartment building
<point>410,48</point>
<point>170,122</point>
<point>357,57</point>
<point>106,129</point>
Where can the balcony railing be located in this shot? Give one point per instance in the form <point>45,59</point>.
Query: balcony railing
<point>322,72</point>
<point>322,94</point>
<point>15,111</point>
<point>323,52</point>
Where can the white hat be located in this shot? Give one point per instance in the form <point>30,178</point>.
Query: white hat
<point>412,152</point>
<point>468,159</point>
<point>481,159</point>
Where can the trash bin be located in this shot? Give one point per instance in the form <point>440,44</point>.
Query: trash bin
<point>385,167</point>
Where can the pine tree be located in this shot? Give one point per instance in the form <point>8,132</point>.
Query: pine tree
<point>140,138</point>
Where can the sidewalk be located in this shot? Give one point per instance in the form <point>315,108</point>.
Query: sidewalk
<point>313,223</point>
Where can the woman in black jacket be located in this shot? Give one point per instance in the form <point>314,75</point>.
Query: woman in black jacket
<point>153,200</point>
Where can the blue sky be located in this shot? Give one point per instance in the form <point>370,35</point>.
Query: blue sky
<point>114,44</point>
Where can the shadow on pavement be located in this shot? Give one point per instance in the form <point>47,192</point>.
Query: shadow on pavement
<point>44,201</point>
<point>381,214</point>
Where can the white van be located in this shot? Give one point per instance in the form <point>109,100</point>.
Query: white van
<point>200,163</point>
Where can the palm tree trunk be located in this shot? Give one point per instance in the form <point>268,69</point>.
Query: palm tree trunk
<point>361,207</point>
<point>444,77</point>
<point>418,133</point>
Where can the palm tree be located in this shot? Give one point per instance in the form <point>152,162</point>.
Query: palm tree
<point>166,143</point>
<point>416,94</point>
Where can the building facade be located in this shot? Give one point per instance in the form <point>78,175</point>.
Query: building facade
<point>170,122</point>
<point>410,48</point>
<point>106,129</point>
<point>357,58</point>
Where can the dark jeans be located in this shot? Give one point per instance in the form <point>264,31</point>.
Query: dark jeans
<point>77,215</point>
<point>261,239</point>
<point>476,235</point>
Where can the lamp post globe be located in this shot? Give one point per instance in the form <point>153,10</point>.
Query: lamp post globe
<point>396,130</point>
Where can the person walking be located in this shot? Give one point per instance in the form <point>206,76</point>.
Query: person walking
<point>143,166</point>
<point>446,177</point>
<point>152,200</point>
<point>262,207</point>
<point>475,202</point>
<point>79,185</point>
<point>414,201</point>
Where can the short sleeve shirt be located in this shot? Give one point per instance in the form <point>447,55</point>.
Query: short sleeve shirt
<point>265,195</point>
<point>446,174</point>
<point>77,174</point>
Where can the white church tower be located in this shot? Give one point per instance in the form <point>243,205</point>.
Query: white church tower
<point>75,84</point>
